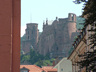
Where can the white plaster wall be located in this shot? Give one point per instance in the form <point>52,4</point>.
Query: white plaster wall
<point>64,66</point>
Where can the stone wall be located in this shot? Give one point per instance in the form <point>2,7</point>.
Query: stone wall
<point>56,38</point>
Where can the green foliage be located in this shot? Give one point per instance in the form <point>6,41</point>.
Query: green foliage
<point>36,58</point>
<point>47,56</point>
<point>89,57</point>
<point>75,38</point>
<point>24,58</point>
<point>79,1</point>
<point>44,62</point>
<point>39,63</point>
<point>80,22</point>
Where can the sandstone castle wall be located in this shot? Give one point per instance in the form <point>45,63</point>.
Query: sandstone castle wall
<point>56,39</point>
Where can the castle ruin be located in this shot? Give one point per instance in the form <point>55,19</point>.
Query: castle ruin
<point>56,39</point>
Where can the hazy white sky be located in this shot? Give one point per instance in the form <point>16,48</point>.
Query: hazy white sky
<point>36,11</point>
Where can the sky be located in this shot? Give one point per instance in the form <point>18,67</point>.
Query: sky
<point>36,11</point>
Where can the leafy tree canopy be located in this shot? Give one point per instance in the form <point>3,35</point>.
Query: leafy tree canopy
<point>36,58</point>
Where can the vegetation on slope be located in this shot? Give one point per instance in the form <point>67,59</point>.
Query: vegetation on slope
<point>36,58</point>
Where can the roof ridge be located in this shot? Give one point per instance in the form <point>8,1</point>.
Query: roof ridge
<point>38,67</point>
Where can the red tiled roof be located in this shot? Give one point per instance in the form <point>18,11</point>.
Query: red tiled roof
<point>32,68</point>
<point>49,69</point>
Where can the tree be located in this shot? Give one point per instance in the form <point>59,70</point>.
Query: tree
<point>36,58</point>
<point>79,1</point>
<point>24,58</point>
<point>89,57</point>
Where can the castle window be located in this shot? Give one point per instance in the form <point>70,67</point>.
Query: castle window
<point>28,32</point>
<point>72,17</point>
<point>32,32</point>
<point>28,37</point>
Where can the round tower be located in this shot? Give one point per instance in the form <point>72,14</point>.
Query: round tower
<point>71,24</point>
<point>43,25</point>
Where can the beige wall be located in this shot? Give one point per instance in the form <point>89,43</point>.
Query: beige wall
<point>64,65</point>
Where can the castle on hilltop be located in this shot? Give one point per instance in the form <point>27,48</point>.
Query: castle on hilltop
<point>56,39</point>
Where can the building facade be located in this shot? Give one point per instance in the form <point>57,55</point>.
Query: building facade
<point>64,65</point>
<point>81,49</point>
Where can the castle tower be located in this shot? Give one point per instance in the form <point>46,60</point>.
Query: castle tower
<point>32,32</point>
<point>71,23</point>
<point>46,21</point>
<point>45,25</point>
<point>31,37</point>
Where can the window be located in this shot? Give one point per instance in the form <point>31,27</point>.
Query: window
<point>28,32</point>
<point>61,69</point>
<point>28,37</point>
<point>25,71</point>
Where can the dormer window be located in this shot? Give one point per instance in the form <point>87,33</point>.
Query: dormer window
<point>25,71</point>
